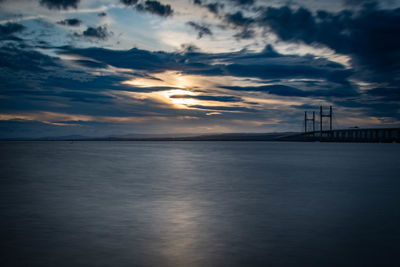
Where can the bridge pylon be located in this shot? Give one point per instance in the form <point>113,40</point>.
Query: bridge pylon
<point>323,115</point>
<point>306,119</point>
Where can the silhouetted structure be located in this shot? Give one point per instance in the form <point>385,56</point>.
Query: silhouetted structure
<point>321,123</point>
<point>306,119</point>
<point>322,115</point>
<point>366,135</point>
<point>342,135</point>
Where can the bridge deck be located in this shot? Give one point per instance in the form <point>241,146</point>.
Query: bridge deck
<point>369,135</point>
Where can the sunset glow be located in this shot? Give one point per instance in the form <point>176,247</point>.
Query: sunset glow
<point>168,65</point>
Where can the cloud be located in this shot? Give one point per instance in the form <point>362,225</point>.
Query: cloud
<point>129,2</point>
<point>370,36</point>
<point>223,108</point>
<point>358,2</point>
<point>387,94</point>
<point>33,81</point>
<point>156,8</point>
<point>70,22</point>
<point>283,90</point>
<point>243,2</point>
<point>189,48</point>
<point>60,4</point>
<point>218,98</point>
<point>10,28</point>
<point>99,32</point>
<point>134,58</point>
<point>201,29</point>
<point>267,64</point>
<point>150,6</point>
<point>71,95</point>
<point>212,7</point>
<point>243,84</point>
<point>238,20</point>
<point>91,64</point>
<point>245,34</point>
<point>16,59</point>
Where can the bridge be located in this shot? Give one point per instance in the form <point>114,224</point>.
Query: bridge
<point>366,135</point>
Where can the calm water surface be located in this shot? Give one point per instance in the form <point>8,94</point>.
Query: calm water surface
<point>199,204</point>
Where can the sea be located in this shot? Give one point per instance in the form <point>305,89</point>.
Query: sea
<point>188,204</point>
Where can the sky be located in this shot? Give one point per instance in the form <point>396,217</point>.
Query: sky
<point>100,68</point>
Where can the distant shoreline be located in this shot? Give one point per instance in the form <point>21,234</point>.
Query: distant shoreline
<point>383,135</point>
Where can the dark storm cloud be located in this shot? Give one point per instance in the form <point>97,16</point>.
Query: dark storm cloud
<point>201,29</point>
<point>78,89</point>
<point>27,69</point>
<point>24,69</point>
<point>150,6</point>
<point>273,70</point>
<point>71,95</point>
<point>209,98</point>
<point>373,108</point>
<point>99,32</point>
<point>14,58</point>
<point>238,19</point>
<point>359,2</point>
<point>224,108</point>
<point>245,34</point>
<point>388,94</point>
<point>370,36</point>
<point>156,8</point>
<point>242,23</point>
<point>91,64</point>
<point>129,2</point>
<point>283,90</point>
<point>10,28</point>
<point>243,2</point>
<point>37,86</point>
<point>288,68</point>
<point>267,64</point>
<point>60,4</point>
<point>212,7</point>
<point>70,22</point>
<point>60,91</point>
<point>134,58</point>
<point>94,83</point>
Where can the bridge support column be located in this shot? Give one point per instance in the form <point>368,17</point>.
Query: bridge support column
<point>369,134</point>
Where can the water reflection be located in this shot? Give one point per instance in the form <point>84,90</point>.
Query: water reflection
<point>199,204</point>
<point>177,214</point>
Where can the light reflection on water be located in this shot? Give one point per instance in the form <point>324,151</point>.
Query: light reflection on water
<point>199,204</point>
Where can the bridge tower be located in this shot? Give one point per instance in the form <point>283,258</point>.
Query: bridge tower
<point>306,119</point>
<point>322,115</point>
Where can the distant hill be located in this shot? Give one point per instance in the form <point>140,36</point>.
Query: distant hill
<point>168,137</point>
